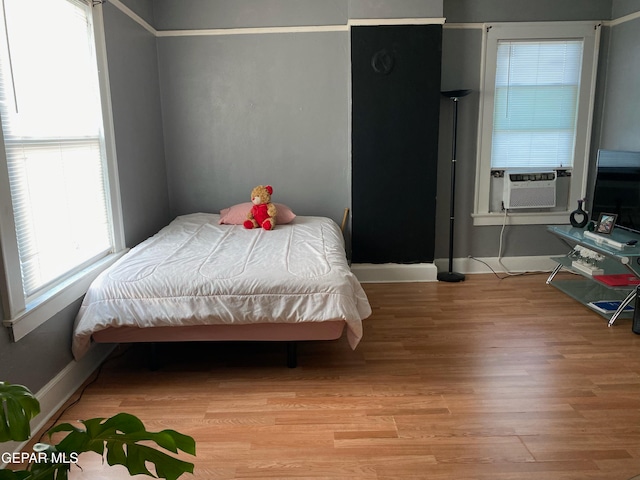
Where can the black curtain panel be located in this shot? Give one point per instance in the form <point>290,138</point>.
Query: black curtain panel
<point>396,106</point>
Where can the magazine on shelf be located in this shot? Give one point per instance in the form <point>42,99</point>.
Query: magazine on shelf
<point>609,306</point>
<point>618,279</point>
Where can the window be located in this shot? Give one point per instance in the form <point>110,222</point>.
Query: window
<point>536,111</point>
<point>54,161</point>
<point>536,103</point>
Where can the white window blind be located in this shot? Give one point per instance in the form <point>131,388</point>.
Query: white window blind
<point>52,127</point>
<point>536,103</point>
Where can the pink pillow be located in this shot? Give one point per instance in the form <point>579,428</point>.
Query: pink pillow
<point>237,214</point>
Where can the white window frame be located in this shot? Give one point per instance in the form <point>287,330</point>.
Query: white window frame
<point>23,315</point>
<point>589,32</point>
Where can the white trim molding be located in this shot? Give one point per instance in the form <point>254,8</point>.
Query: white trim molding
<point>324,28</point>
<point>250,31</point>
<point>55,300</point>
<point>299,29</point>
<point>605,23</point>
<point>359,22</point>
<point>60,388</point>
<point>624,19</point>
<point>505,265</point>
<point>25,314</point>
<point>427,272</point>
<point>521,218</point>
<point>484,212</point>
<point>394,272</point>
<point>353,22</point>
<point>464,26</point>
<point>134,16</point>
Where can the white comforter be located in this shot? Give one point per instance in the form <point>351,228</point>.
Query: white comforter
<point>195,271</point>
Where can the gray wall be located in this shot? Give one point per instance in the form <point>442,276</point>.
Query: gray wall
<point>41,355</point>
<point>462,50</point>
<point>137,118</point>
<point>302,80</point>
<point>206,14</point>
<point>135,89</point>
<point>246,110</point>
<point>462,11</point>
<point>395,8</point>
<point>243,110</point>
<point>231,98</point>
<point>620,127</point>
<point>143,8</point>
<point>461,55</point>
<point>624,7</point>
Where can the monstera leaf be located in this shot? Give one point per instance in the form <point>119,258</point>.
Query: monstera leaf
<point>11,475</point>
<point>121,437</point>
<point>17,407</point>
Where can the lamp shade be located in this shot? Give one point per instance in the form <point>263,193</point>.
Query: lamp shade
<point>456,93</point>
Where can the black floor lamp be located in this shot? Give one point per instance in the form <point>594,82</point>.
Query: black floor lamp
<point>451,276</point>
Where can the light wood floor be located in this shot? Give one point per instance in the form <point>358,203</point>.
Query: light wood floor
<point>487,379</point>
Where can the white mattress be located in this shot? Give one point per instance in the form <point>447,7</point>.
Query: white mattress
<point>196,272</point>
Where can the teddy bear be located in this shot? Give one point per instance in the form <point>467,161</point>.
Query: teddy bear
<point>263,213</point>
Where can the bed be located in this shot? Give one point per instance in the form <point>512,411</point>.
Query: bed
<point>199,280</point>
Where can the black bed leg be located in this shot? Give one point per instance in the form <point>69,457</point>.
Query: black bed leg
<point>153,357</point>
<point>292,354</point>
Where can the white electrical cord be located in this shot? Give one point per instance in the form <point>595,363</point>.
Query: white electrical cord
<point>507,272</point>
<point>504,224</point>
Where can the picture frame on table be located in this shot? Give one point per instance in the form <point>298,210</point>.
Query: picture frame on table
<point>606,223</point>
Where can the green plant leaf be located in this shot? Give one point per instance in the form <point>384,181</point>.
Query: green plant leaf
<point>17,407</point>
<point>77,440</point>
<point>48,471</point>
<point>120,436</point>
<point>169,470</point>
<point>11,475</point>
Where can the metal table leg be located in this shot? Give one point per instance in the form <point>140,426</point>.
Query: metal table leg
<point>553,274</point>
<point>625,302</point>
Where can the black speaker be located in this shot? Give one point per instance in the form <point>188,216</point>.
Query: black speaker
<point>635,326</point>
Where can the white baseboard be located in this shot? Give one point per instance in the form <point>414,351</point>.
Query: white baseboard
<point>471,265</point>
<point>55,393</point>
<point>427,272</point>
<point>394,272</point>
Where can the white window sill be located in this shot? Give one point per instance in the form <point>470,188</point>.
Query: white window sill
<point>521,218</point>
<point>53,301</point>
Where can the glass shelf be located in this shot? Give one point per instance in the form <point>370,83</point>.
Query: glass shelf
<point>626,255</point>
<point>585,290</point>
<point>583,287</point>
<point>610,266</point>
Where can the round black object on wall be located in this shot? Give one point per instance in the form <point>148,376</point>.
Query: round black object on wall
<point>382,62</point>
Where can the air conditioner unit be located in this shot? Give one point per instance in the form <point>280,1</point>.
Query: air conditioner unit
<point>529,189</point>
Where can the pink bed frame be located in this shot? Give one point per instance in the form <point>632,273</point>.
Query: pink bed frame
<point>282,332</point>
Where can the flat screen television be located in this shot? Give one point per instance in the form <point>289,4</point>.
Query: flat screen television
<point>617,188</point>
